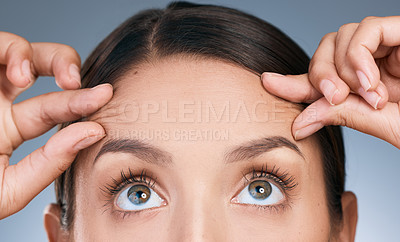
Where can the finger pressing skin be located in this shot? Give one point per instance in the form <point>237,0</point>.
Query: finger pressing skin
<point>292,88</point>
<point>354,113</point>
<point>323,74</point>
<point>372,33</point>
<point>23,181</point>
<point>37,115</point>
<point>16,53</point>
<point>61,61</point>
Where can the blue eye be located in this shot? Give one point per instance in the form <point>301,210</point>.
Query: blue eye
<point>259,192</point>
<point>138,197</point>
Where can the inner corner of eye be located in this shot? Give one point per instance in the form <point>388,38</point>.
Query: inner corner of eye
<point>235,200</point>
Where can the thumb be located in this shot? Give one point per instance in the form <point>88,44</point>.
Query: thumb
<point>24,180</point>
<point>294,88</point>
<point>354,113</point>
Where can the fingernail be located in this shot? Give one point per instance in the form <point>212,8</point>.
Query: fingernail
<point>365,83</point>
<point>26,70</point>
<point>308,130</point>
<point>271,74</point>
<point>101,85</point>
<point>328,89</point>
<point>372,98</point>
<point>74,74</point>
<point>88,141</point>
<point>58,84</point>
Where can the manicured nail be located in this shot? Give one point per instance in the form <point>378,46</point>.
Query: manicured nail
<point>26,70</point>
<point>328,89</point>
<point>365,83</point>
<point>307,131</point>
<point>74,74</point>
<point>377,102</point>
<point>58,84</point>
<point>271,74</point>
<point>88,141</point>
<point>100,86</point>
<point>372,98</point>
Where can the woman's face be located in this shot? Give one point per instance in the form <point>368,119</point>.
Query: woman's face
<point>197,150</point>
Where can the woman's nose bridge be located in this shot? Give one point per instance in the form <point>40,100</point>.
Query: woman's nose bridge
<point>200,216</point>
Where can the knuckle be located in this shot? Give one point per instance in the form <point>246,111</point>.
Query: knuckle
<point>67,50</point>
<point>352,54</point>
<point>369,19</point>
<point>328,36</point>
<point>62,53</point>
<point>70,49</point>
<point>17,45</point>
<point>44,115</point>
<point>342,70</point>
<point>346,27</point>
<point>57,157</point>
<point>319,71</point>
<point>315,71</point>
<point>62,166</point>
<point>343,118</point>
<point>347,113</point>
<point>75,110</point>
<point>312,64</point>
<point>340,67</point>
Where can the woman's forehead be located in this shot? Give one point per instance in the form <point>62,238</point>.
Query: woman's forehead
<point>194,93</point>
<point>192,102</point>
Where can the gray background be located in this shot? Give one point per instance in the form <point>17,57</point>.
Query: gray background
<point>372,164</point>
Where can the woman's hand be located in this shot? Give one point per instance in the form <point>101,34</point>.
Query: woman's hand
<point>353,80</point>
<point>21,63</point>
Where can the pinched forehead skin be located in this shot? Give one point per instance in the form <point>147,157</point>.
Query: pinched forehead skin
<point>214,97</point>
<point>199,116</point>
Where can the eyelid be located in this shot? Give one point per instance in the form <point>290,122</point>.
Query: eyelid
<point>282,178</point>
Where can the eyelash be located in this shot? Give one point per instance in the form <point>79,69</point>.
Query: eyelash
<point>126,178</point>
<point>284,181</point>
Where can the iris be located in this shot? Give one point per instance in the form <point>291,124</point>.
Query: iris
<point>260,189</point>
<point>139,194</point>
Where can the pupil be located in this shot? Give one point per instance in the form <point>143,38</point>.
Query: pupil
<point>138,194</point>
<point>260,189</point>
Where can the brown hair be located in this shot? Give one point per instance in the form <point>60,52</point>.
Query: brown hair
<point>212,32</point>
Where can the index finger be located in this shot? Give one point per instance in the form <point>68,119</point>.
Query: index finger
<point>58,60</point>
<point>25,61</point>
<point>16,54</point>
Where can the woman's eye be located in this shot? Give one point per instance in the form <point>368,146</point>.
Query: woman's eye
<point>259,192</point>
<point>138,197</point>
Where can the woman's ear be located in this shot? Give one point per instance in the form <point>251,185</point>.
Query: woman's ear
<point>52,214</point>
<point>350,216</point>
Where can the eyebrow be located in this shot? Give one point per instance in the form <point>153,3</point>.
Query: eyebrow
<point>157,156</point>
<point>140,149</point>
<point>257,147</point>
